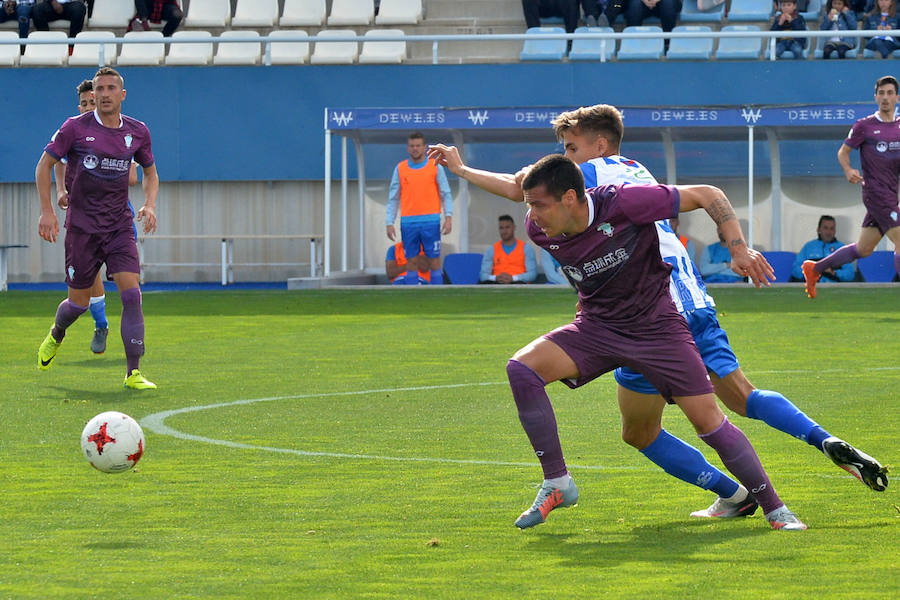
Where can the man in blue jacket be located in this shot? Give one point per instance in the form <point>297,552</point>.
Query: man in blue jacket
<point>819,248</point>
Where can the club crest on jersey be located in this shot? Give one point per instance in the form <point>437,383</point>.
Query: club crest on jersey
<point>128,139</point>
<point>90,161</point>
<point>606,228</point>
<point>573,272</point>
<point>71,271</point>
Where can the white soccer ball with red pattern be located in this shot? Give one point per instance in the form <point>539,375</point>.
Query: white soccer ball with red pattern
<point>112,442</point>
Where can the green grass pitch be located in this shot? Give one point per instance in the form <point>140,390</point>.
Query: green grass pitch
<point>364,444</point>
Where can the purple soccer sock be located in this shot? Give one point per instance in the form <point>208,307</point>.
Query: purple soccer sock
<point>537,418</point>
<point>132,328</point>
<point>740,458</point>
<point>66,314</point>
<point>839,257</point>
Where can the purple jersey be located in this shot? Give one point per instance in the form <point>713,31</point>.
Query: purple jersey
<point>98,159</point>
<point>615,263</point>
<point>879,154</point>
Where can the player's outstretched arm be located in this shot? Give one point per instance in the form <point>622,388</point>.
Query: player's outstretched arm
<point>501,184</point>
<point>48,224</point>
<point>147,213</point>
<point>744,260</point>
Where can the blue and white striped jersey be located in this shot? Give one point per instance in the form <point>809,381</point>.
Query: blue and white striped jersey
<point>685,283</point>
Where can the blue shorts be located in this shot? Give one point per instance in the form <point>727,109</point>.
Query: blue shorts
<point>712,342</point>
<point>417,236</point>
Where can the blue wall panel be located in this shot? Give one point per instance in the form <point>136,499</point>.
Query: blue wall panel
<point>266,123</point>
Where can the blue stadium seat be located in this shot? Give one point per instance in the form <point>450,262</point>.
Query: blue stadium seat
<point>820,43</point>
<point>739,48</point>
<point>543,49</point>
<point>592,49</point>
<point>641,49</point>
<point>691,14</point>
<point>877,267</point>
<point>872,54</point>
<point>749,10</point>
<point>782,262</point>
<point>462,268</point>
<point>804,54</point>
<point>690,48</point>
<point>813,12</point>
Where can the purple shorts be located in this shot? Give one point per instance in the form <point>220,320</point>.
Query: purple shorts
<point>662,351</point>
<point>882,217</point>
<point>85,252</point>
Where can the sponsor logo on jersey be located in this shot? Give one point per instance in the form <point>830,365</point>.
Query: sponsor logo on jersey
<point>881,146</point>
<point>573,272</point>
<point>90,161</point>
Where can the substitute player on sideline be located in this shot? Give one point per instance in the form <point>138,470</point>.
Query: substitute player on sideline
<point>608,247</point>
<point>878,139</point>
<point>99,147</point>
<point>98,293</point>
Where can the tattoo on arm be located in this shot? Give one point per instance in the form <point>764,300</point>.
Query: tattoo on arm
<point>721,211</point>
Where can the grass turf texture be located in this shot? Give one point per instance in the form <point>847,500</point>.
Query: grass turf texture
<point>198,519</point>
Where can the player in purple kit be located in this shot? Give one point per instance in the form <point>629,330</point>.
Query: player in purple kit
<point>608,247</point>
<point>878,139</point>
<point>99,147</point>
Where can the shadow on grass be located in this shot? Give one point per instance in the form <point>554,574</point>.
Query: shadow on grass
<point>674,542</point>
<point>112,545</point>
<point>116,395</point>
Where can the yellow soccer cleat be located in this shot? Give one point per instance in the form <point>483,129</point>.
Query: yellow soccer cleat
<point>136,381</point>
<point>47,352</point>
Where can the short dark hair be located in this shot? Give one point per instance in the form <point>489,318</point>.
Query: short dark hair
<point>887,80</point>
<point>824,218</point>
<point>85,86</point>
<point>507,218</point>
<point>416,135</point>
<point>109,71</point>
<point>558,174</point>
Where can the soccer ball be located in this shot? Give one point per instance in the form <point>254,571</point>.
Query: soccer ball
<point>112,442</point>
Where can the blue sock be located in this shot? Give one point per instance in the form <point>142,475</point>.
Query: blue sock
<point>685,462</point>
<point>412,277</point>
<point>437,277</point>
<point>98,311</point>
<point>777,411</point>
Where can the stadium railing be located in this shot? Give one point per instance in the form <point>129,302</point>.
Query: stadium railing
<point>770,38</point>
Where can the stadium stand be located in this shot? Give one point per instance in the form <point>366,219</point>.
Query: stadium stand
<point>593,49</point>
<point>111,14</point>
<point>543,49</point>
<point>691,14</point>
<point>878,267</point>
<point>255,13</point>
<point>189,54</point>
<point>399,12</point>
<point>690,48</point>
<point>352,12</point>
<point>749,10</point>
<point>237,53</point>
<point>143,54</point>
<point>208,13</point>
<point>87,55</point>
<point>872,54</point>
<point>462,268</point>
<point>45,55</point>
<point>641,48</point>
<point>782,262</point>
<point>9,53</point>
<point>290,53</point>
<point>820,43</point>
<point>303,13</point>
<point>813,12</point>
<point>335,52</point>
<point>739,48</point>
<point>383,52</point>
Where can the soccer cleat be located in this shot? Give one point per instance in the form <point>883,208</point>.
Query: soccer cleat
<point>98,344</point>
<point>723,509</point>
<point>136,381</point>
<point>784,520</point>
<point>548,498</point>
<point>810,276</point>
<point>47,351</point>
<point>859,464</point>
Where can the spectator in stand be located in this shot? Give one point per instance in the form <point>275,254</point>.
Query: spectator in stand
<point>73,11</point>
<point>817,249</point>
<point>509,260</point>
<point>21,11</point>
<point>593,13</point>
<point>882,17</point>
<point>789,19</point>
<point>838,17</point>
<point>535,10</point>
<point>638,10</point>
<point>156,11</point>
<point>715,263</point>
